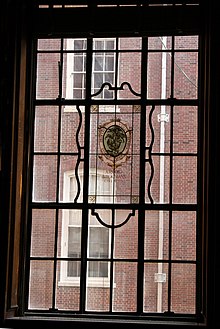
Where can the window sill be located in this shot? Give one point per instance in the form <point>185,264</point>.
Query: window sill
<point>89,322</point>
<point>97,283</point>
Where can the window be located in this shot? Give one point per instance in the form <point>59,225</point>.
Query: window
<point>76,69</point>
<point>100,189</point>
<point>103,69</point>
<point>121,186</point>
<point>103,66</point>
<point>115,208</point>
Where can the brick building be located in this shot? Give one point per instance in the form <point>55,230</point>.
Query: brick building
<point>108,164</point>
<point>115,172</point>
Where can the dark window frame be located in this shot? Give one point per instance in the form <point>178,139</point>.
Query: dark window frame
<point>125,320</point>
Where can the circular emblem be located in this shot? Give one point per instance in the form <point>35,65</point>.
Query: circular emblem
<point>114,140</point>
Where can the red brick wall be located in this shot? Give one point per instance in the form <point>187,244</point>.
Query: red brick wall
<point>181,235</point>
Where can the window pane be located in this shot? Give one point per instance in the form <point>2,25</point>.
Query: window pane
<point>41,284</point>
<point>78,81</point>
<point>78,63</point>
<point>156,235</point>
<point>47,85</point>
<point>126,236</point>
<point>186,75</point>
<point>98,269</point>
<point>158,188</point>
<point>185,129</point>
<point>109,62</point>
<point>71,179</point>
<point>97,298</point>
<point>64,289</point>
<point>46,129</point>
<point>74,242</point>
<point>184,235</point>
<point>44,178</point>
<point>158,75</point>
<point>160,42</point>
<point>125,291</point>
<point>98,63</point>
<point>49,44</point>
<point>130,43</point>
<point>98,242</point>
<point>155,287</point>
<point>130,67</point>
<point>183,290</point>
<point>184,179</point>
<point>43,233</point>
<point>71,123</point>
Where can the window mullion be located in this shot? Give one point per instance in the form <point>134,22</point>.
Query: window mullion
<point>85,209</point>
<point>141,214</point>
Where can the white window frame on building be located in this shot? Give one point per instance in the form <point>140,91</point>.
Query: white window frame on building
<point>101,193</point>
<point>100,59</point>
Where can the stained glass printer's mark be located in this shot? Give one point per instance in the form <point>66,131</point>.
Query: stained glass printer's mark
<point>114,140</point>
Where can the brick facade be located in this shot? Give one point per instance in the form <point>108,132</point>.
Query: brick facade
<point>178,232</point>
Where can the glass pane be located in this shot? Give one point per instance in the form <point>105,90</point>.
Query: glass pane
<point>109,62</point>
<point>184,235</point>
<point>75,44</point>
<point>184,179</point>
<point>74,242</point>
<point>47,76</point>
<point>46,129</point>
<point>126,236</point>
<point>74,76</point>
<point>185,129</point>
<point>129,67</point>
<point>158,43</point>
<point>155,287</point>
<point>156,240</point>
<point>100,217</point>
<point>67,292</point>
<point>104,44</point>
<point>158,188</point>
<point>98,62</point>
<point>42,233</point>
<point>125,287</point>
<point>44,178</point>
<point>183,288</point>
<point>130,43</point>
<point>71,182</point>
<point>159,75</point>
<point>72,129</point>
<point>98,242</point>
<point>98,269</point>
<point>97,295</point>
<point>187,42</point>
<point>161,129</point>
<point>70,222</point>
<point>186,75</point>
<point>49,44</point>
<point>40,285</point>
<point>78,63</point>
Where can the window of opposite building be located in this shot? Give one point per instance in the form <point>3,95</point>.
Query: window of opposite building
<point>115,213</point>
<point>103,69</point>
<point>98,236</point>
